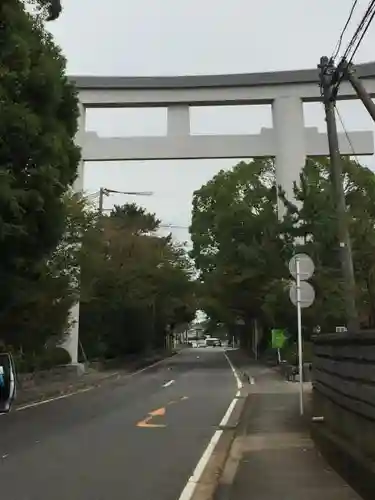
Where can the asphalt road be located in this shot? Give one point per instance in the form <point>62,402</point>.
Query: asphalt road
<point>103,444</point>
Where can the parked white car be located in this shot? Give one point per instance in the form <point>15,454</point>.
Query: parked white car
<point>199,343</point>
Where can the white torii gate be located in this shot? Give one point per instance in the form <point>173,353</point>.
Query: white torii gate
<point>194,147</point>
<point>289,141</point>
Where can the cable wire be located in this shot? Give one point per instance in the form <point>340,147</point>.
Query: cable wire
<point>362,35</point>
<point>339,42</point>
<point>173,226</point>
<point>359,31</point>
<point>354,43</point>
<point>346,134</point>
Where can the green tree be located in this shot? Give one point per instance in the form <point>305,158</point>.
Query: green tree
<point>316,224</point>
<point>237,241</point>
<point>39,316</point>
<point>140,285</point>
<point>134,218</point>
<point>50,9</point>
<point>242,250</point>
<point>38,157</point>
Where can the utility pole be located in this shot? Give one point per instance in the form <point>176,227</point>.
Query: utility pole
<point>106,192</point>
<point>102,193</point>
<point>329,92</point>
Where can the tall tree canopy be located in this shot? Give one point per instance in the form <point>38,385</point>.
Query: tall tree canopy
<point>38,156</point>
<point>242,250</point>
<point>135,286</point>
<point>317,225</point>
<point>138,285</point>
<point>51,9</point>
<point>236,237</point>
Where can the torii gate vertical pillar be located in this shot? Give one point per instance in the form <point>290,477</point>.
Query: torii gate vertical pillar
<point>290,145</point>
<point>72,339</point>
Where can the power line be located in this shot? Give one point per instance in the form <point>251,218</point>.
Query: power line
<point>360,32</point>
<point>92,195</point>
<point>339,43</point>
<point>346,133</point>
<point>354,44</point>
<point>173,226</point>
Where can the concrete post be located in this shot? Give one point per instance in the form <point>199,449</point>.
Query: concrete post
<point>72,339</point>
<point>290,145</point>
<point>178,120</point>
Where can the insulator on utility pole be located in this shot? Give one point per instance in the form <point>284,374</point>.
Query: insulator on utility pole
<point>329,91</point>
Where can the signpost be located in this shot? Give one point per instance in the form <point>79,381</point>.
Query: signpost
<point>278,338</point>
<point>302,295</point>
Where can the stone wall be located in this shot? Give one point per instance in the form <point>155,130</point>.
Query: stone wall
<point>344,395</point>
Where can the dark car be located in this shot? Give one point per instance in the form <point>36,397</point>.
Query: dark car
<point>213,342</point>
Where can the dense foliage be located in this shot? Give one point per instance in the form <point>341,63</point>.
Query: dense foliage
<point>49,9</point>
<point>135,287</point>
<point>38,163</point>
<point>241,248</point>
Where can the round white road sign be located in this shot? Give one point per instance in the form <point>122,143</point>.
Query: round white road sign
<point>307,294</point>
<point>306,266</point>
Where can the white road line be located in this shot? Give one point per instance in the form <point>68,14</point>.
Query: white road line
<point>45,401</point>
<point>238,380</point>
<point>228,413</point>
<point>168,383</point>
<point>188,491</point>
<point>80,391</point>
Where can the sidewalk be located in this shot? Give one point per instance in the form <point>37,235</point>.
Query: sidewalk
<point>272,456</point>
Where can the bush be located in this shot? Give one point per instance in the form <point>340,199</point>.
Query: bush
<point>54,356</point>
<point>290,352</point>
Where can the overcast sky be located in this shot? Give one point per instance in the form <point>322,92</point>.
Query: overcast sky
<point>178,37</point>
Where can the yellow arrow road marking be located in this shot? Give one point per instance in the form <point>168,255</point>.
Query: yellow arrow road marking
<point>159,412</point>
<point>145,423</point>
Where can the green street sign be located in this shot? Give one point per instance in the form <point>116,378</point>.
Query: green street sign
<point>278,338</point>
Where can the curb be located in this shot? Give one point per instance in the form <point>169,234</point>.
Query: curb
<point>235,417</point>
<point>209,482</point>
<point>223,490</point>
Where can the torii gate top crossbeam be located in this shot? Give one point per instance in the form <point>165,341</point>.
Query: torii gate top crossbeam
<point>203,90</point>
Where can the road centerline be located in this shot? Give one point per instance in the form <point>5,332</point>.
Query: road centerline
<point>167,384</point>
